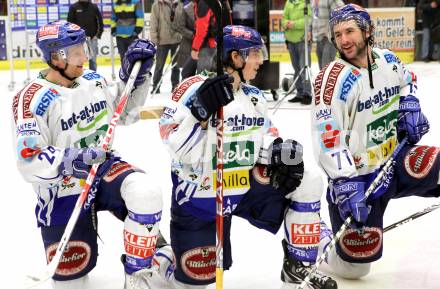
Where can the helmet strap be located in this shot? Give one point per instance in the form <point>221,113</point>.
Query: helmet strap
<point>367,46</point>
<point>239,70</point>
<point>61,71</point>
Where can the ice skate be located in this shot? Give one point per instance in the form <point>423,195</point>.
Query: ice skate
<point>294,272</point>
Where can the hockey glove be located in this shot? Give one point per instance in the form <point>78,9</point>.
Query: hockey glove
<point>286,166</point>
<point>140,49</point>
<point>350,198</point>
<point>77,162</point>
<point>214,93</point>
<point>411,122</point>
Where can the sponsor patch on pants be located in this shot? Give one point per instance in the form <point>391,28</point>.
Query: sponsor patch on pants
<point>419,160</point>
<point>75,258</point>
<point>199,263</point>
<point>361,245</point>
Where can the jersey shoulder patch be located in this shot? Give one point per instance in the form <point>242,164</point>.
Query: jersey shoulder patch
<point>43,99</point>
<point>91,75</point>
<point>187,87</point>
<point>25,102</point>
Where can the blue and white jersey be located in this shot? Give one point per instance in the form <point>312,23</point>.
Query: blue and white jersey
<point>47,119</point>
<point>247,130</point>
<point>355,126</point>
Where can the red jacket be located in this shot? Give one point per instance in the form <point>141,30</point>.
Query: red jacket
<point>204,23</point>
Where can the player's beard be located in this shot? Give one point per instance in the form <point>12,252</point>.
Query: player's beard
<point>360,51</point>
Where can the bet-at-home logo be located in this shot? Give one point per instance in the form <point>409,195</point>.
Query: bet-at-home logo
<point>381,129</point>
<point>235,154</point>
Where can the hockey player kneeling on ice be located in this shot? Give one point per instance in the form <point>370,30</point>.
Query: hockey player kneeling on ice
<point>366,103</point>
<point>60,118</point>
<point>264,179</point>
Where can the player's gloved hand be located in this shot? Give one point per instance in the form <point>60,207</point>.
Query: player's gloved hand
<point>113,31</point>
<point>350,198</point>
<point>286,166</point>
<point>411,122</point>
<point>212,94</point>
<point>140,49</point>
<point>77,162</point>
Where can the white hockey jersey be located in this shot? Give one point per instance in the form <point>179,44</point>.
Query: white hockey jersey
<point>355,126</point>
<point>247,130</point>
<point>49,118</point>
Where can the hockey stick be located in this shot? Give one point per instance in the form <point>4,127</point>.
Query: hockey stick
<point>348,221</point>
<point>412,217</point>
<point>216,7</point>
<point>52,266</point>
<point>112,57</point>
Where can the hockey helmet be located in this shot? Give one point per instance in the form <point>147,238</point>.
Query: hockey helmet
<point>244,40</point>
<point>60,37</point>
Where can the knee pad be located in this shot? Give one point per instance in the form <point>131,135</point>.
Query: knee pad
<point>71,284</point>
<point>346,269</point>
<point>140,194</point>
<point>310,190</point>
<point>302,220</point>
<point>141,226</point>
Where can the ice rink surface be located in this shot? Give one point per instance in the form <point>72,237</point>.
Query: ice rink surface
<point>411,256</point>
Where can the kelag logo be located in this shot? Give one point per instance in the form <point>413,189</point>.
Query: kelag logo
<point>235,154</point>
<point>85,119</point>
<point>381,129</point>
<point>380,101</point>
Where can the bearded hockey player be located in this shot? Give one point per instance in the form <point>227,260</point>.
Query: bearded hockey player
<point>365,105</point>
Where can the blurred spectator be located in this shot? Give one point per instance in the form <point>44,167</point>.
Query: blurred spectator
<point>126,23</point>
<point>325,49</point>
<point>184,23</point>
<point>167,39</point>
<point>88,17</point>
<point>430,14</point>
<point>204,44</point>
<point>294,32</point>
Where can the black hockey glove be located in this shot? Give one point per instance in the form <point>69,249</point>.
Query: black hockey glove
<point>211,95</point>
<point>286,166</point>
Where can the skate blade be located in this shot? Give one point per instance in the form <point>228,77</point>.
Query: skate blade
<point>293,286</point>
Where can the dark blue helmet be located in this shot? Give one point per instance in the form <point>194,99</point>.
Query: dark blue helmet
<point>55,36</point>
<point>242,39</point>
<point>352,12</point>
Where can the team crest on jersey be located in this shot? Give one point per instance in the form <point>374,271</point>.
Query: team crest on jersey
<point>199,263</point>
<point>419,160</point>
<point>361,245</point>
<point>75,258</point>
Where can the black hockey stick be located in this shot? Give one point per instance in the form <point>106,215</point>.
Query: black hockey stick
<point>216,8</point>
<point>412,217</point>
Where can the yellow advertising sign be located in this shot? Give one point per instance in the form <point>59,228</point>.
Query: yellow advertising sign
<point>278,49</point>
<point>395,30</point>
